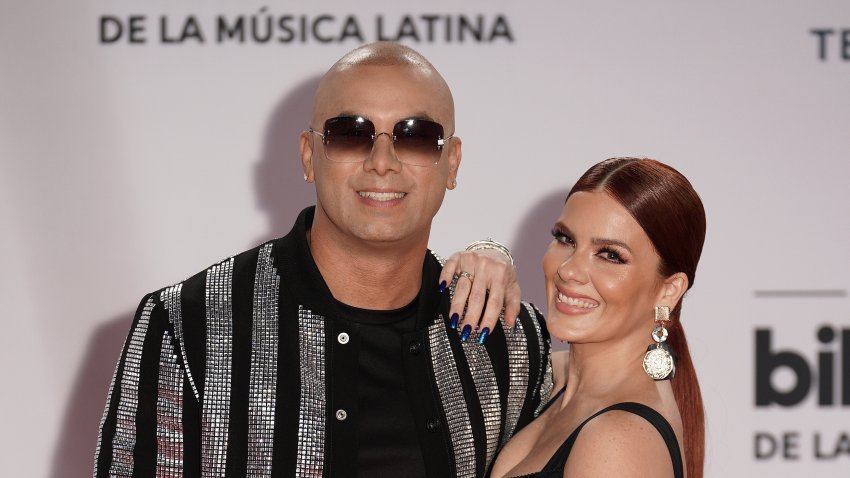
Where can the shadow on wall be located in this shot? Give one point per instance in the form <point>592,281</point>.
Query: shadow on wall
<point>531,241</point>
<point>278,176</point>
<point>281,194</point>
<point>74,454</point>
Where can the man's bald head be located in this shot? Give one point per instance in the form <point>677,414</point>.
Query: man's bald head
<point>387,55</point>
<point>384,54</point>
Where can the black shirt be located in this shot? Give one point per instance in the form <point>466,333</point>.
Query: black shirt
<point>387,443</point>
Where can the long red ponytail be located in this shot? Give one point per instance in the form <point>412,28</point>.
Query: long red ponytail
<point>671,213</point>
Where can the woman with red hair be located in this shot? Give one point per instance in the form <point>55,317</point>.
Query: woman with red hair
<point>624,251</point>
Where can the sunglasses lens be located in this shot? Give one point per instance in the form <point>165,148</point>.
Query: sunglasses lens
<point>348,139</point>
<point>416,141</point>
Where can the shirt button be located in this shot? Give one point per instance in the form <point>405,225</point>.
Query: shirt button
<point>343,339</point>
<point>415,347</point>
<point>341,414</point>
<point>432,424</point>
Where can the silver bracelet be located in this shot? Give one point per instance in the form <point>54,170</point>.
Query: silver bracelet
<point>490,244</point>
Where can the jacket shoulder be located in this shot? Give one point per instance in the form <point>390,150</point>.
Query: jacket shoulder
<point>238,270</point>
<point>529,312</point>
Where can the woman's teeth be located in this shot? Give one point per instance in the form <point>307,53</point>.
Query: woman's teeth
<point>576,302</point>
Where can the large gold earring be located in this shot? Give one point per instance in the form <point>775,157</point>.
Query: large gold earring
<point>659,362</point>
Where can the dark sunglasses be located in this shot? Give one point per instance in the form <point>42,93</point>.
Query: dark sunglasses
<point>349,139</point>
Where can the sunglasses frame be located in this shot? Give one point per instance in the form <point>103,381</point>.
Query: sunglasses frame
<point>374,136</point>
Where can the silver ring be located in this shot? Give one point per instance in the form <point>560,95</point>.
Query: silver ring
<point>467,275</point>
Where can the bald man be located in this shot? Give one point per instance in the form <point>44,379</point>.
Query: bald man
<point>334,350</point>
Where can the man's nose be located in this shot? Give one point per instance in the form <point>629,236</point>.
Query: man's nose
<point>382,159</point>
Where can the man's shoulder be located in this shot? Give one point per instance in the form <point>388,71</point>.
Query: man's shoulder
<point>531,310</point>
<point>529,313</point>
<point>536,337</point>
<point>233,271</point>
<point>433,256</point>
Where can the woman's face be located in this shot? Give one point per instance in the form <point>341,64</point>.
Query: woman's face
<point>601,269</point>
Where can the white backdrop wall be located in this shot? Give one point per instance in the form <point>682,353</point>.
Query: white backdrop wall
<point>128,165</point>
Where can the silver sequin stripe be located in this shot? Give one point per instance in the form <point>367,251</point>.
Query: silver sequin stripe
<point>452,399</point>
<point>103,418</point>
<point>517,344</point>
<point>310,460</point>
<point>215,418</point>
<point>169,413</point>
<point>170,298</point>
<point>484,378</point>
<point>544,376</point>
<point>439,258</point>
<point>124,440</point>
<point>263,381</point>
<point>546,389</point>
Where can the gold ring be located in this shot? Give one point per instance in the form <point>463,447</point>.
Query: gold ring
<point>467,275</point>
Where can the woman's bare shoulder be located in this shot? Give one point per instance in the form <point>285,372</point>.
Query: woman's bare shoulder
<point>621,444</point>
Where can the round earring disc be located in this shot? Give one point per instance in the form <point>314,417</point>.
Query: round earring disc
<point>658,363</point>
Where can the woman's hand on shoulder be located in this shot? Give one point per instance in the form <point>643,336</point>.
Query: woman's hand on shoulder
<point>619,444</point>
<point>485,277</point>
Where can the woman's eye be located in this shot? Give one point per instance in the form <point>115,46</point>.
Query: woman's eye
<point>611,256</point>
<point>562,238</point>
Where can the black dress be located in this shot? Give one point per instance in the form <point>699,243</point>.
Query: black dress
<point>555,467</point>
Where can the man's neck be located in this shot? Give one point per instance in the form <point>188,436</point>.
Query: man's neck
<point>368,276</point>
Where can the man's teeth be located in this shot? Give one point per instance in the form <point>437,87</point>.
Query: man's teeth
<point>576,302</point>
<point>381,196</point>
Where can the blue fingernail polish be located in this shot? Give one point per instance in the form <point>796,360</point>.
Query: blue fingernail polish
<point>454,321</point>
<point>442,287</point>
<point>483,335</point>
<point>464,335</point>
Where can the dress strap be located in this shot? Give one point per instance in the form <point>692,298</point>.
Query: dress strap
<point>559,459</point>
<point>551,401</point>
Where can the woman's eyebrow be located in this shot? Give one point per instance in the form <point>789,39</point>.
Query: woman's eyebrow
<point>609,242</point>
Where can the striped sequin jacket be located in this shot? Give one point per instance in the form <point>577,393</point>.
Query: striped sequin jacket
<point>241,370</point>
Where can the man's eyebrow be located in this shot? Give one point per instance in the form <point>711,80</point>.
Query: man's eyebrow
<point>349,114</point>
<point>420,115</point>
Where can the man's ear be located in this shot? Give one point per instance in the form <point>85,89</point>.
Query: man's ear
<point>454,156</point>
<point>672,290</point>
<point>306,149</point>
